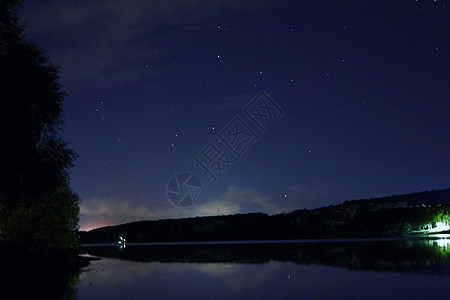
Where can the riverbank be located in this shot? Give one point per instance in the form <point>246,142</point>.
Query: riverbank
<point>26,274</point>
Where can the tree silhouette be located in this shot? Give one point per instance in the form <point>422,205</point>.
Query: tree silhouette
<point>37,208</point>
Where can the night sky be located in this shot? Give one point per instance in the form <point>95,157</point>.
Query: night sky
<point>354,97</point>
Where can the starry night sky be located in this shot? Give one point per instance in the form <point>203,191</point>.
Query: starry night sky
<point>363,86</point>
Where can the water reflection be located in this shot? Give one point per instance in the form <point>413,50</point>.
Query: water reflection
<point>311,270</point>
<point>441,242</point>
<point>415,255</point>
<point>23,277</point>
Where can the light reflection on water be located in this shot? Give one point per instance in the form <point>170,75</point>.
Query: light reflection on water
<point>441,241</point>
<point>410,269</point>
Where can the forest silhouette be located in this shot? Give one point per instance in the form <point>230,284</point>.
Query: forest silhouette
<point>399,215</point>
<point>38,210</point>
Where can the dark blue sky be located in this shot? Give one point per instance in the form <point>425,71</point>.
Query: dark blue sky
<point>363,85</point>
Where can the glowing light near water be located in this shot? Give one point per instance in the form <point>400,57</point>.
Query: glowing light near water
<point>440,226</point>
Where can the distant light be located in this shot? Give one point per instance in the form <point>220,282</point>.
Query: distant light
<point>440,226</point>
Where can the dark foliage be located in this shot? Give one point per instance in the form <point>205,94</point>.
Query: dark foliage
<point>37,208</point>
<point>28,275</point>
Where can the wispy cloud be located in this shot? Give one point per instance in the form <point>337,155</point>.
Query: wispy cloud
<point>248,200</point>
<point>109,43</point>
<point>97,212</point>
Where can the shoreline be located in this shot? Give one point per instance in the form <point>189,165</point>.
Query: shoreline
<point>275,241</point>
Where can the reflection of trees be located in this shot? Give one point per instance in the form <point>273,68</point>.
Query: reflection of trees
<point>28,278</point>
<point>416,256</point>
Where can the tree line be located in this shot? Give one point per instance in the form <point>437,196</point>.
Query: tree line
<point>38,210</point>
<point>383,217</point>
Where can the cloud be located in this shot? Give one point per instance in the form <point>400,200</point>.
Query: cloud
<point>109,43</point>
<point>114,207</point>
<point>248,200</point>
<point>98,212</point>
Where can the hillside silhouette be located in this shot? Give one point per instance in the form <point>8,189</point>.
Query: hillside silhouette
<point>397,215</point>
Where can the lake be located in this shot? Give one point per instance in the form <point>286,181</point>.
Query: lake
<point>313,269</point>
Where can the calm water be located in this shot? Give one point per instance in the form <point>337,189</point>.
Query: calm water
<point>405,269</point>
